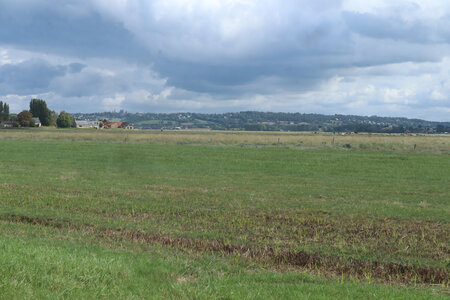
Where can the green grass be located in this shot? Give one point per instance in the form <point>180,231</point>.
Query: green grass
<point>342,183</point>
<point>43,268</point>
<point>34,268</point>
<point>249,218</point>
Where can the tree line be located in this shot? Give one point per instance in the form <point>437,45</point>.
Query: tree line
<point>4,111</point>
<point>273,121</point>
<point>38,109</point>
<point>247,120</point>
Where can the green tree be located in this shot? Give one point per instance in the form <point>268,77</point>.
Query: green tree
<point>53,118</point>
<point>64,120</point>
<point>255,127</point>
<point>74,123</point>
<point>441,128</point>
<point>4,111</point>
<point>39,109</point>
<point>1,111</point>
<point>24,118</point>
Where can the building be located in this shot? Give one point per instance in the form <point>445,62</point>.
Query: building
<point>7,124</point>
<point>37,122</point>
<point>87,124</point>
<point>124,125</point>
<point>83,124</point>
<point>107,124</point>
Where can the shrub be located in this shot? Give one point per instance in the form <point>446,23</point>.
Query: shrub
<point>24,118</point>
<point>64,120</point>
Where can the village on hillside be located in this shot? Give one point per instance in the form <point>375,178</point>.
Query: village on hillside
<point>102,124</point>
<point>40,115</point>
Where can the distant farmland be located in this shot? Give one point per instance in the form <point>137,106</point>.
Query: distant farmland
<point>191,214</point>
<point>272,121</point>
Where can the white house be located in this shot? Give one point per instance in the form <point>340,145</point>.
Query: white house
<point>7,124</point>
<point>87,124</point>
<point>37,122</point>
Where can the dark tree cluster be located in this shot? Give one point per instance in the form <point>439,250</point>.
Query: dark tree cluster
<point>442,128</point>
<point>39,109</point>
<point>273,121</point>
<point>64,120</point>
<point>4,111</point>
<point>25,119</point>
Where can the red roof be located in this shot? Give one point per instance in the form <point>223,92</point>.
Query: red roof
<point>114,124</point>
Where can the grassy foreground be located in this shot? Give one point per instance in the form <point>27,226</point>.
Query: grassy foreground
<point>115,219</point>
<point>36,267</point>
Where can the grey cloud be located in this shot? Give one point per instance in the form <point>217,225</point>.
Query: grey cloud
<point>211,55</point>
<point>76,67</point>
<point>280,39</point>
<point>32,76</point>
<point>104,82</point>
<point>297,41</point>
<point>53,27</point>
<point>402,69</point>
<point>81,84</point>
<point>386,28</point>
<point>395,28</point>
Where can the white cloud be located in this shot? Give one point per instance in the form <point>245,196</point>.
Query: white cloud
<point>349,56</point>
<point>110,104</point>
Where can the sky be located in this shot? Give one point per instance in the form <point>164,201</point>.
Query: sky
<point>371,57</point>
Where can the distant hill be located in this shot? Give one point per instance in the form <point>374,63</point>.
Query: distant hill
<point>271,121</point>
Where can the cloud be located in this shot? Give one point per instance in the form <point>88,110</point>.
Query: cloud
<point>31,76</point>
<point>207,46</point>
<point>325,56</point>
<point>71,27</point>
<point>392,27</point>
<point>98,80</point>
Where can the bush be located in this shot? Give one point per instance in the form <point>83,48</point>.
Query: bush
<point>64,120</point>
<point>24,118</point>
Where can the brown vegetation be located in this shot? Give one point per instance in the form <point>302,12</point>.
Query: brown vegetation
<point>430,143</point>
<point>329,265</point>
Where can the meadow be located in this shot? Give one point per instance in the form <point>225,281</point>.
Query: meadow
<point>201,214</point>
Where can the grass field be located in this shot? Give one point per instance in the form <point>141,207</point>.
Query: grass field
<point>148,214</point>
<point>436,144</point>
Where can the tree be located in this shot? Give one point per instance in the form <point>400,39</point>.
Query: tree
<point>74,123</point>
<point>54,117</point>
<point>24,118</point>
<point>64,120</point>
<point>4,111</point>
<point>39,109</point>
<point>441,128</point>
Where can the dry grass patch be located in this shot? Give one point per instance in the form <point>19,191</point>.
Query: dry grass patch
<point>436,143</point>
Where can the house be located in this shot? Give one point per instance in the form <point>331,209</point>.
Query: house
<point>37,122</point>
<point>87,124</point>
<point>82,124</point>
<point>112,124</point>
<point>7,124</point>
<point>124,125</point>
